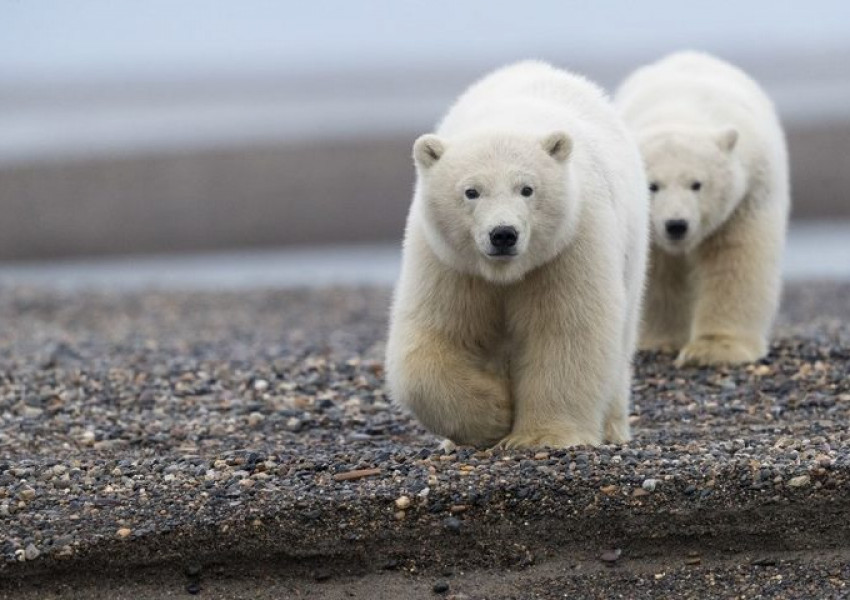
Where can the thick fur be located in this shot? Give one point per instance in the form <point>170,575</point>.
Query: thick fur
<point>533,349</point>
<point>713,294</point>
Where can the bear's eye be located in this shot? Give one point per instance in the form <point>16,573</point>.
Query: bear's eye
<point>471,193</point>
<point>696,185</point>
<point>653,187</point>
<point>527,191</point>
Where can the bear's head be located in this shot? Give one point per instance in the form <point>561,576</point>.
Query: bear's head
<point>496,205</point>
<point>696,181</point>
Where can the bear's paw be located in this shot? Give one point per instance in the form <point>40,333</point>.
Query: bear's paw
<point>719,350</point>
<point>548,439</point>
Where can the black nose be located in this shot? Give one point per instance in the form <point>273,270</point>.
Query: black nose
<point>676,228</point>
<point>503,237</point>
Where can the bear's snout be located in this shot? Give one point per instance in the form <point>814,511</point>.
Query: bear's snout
<point>676,228</point>
<point>503,239</point>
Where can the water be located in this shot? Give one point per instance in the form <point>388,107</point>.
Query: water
<point>814,251</point>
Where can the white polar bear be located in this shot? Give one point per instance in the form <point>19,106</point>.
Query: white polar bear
<point>718,172</point>
<point>515,317</point>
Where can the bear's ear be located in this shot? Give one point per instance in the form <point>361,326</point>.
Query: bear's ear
<point>727,139</point>
<point>427,150</point>
<point>558,145</point>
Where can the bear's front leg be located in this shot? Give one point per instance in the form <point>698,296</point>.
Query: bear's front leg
<point>565,363</point>
<point>668,303</point>
<point>737,292</point>
<point>450,389</point>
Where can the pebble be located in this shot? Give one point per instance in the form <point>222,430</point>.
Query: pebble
<point>452,524</point>
<point>649,485</point>
<point>402,502</point>
<point>31,552</point>
<point>611,556</point>
<point>799,481</point>
<point>356,474</point>
<point>124,532</point>
<point>441,587</point>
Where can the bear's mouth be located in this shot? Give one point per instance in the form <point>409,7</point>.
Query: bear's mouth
<point>502,253</point>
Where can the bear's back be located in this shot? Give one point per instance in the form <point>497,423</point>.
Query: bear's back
<point>695,88</point>
<point>527,97</point>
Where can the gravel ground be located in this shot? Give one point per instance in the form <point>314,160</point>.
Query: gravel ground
<point>241,444</point>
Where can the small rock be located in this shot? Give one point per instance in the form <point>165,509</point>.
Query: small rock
<point>452,524</point>
<point>609,490</point>
<point>256,419</point>
<point>356,474</point>
<point>261,385</point>
<point>649,484</point>
<point>693,560</point>
<point>32,412</point>
<point>611,556</point>
<point>640,492</point>
<point>293,424</point>
<point>124,533</point>
<point>27,494</point>
<point>194,588</point>
<point>31,552</point>
<point>799,481</point>
<point>541,456</point>
<point>402,502</point>
<point>441,587</point>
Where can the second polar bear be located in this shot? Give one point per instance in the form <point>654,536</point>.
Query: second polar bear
<point>515,316</point>
<point>717,166</point>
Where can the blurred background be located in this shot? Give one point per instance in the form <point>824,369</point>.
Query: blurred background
<point>130,129</point>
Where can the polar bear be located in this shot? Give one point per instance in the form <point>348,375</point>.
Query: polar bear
<point>718,174</point>
<point>514,320</point>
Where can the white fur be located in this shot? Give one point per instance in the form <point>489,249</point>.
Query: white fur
<point>534,349</point>
<point>713,294</point>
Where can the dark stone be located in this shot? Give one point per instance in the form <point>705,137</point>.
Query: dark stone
<point>452,524</point>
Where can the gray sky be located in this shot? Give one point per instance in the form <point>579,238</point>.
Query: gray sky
<point>90,39</point>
